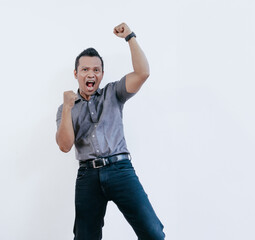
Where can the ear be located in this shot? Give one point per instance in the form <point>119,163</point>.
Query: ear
<point>75,73</point>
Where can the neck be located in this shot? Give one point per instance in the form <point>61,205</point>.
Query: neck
<point>86,97</point>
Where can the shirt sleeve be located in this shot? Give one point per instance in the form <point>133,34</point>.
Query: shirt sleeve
<point>59,115</point>
<point>121,90</point>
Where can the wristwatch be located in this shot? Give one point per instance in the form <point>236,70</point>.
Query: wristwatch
<point>128,37</point>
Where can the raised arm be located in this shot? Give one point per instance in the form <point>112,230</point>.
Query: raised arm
<point>65,133</point>
<point>135,79</point>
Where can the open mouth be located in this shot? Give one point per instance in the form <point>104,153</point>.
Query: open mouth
<point>90,85</point>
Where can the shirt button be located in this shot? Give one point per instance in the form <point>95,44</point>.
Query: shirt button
<point>92,113</point>
<point>89,102</point>
<point>93,135</point>
<point>97,150</point>
<point>95,125</point>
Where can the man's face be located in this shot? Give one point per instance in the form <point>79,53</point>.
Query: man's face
<point>89,75</point>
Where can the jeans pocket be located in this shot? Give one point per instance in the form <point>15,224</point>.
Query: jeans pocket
<point>123,165</point>
<point>81,173</point>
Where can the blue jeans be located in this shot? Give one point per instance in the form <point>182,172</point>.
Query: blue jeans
<point>119,183</point>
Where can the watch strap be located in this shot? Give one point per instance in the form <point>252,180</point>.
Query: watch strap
<point>129,36</point>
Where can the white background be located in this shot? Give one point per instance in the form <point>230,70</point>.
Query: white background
<point>190,129</point>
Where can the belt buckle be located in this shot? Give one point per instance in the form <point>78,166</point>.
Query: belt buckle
<point>99,166</point>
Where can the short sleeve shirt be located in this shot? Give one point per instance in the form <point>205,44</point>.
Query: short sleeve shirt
<point>97,123</point>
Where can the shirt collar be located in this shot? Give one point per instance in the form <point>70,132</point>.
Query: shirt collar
<point>80,98</point>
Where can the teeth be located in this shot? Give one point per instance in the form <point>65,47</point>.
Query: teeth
<point>90,82</point>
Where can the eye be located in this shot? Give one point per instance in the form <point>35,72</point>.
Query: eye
<point>96,70</point>
<point>84,69</point>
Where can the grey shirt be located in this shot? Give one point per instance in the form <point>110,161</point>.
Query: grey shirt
<point>97,123</point>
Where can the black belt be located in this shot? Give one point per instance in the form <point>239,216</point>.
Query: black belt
<point>101,162</point>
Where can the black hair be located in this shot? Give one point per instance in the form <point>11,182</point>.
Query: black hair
<point>91,52</point>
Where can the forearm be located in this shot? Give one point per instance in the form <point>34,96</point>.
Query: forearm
<point>139,60</point>
<point>65,133</point>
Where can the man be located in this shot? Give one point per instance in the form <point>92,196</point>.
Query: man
<point>92,120</point>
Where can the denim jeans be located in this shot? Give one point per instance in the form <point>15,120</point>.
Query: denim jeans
<point>119,183</point>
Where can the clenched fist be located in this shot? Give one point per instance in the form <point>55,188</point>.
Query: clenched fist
<point>122,30</point>
<point>69,99</point>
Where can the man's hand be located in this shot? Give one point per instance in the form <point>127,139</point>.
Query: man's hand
<point>69,99</point>
<point>122,30</point>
